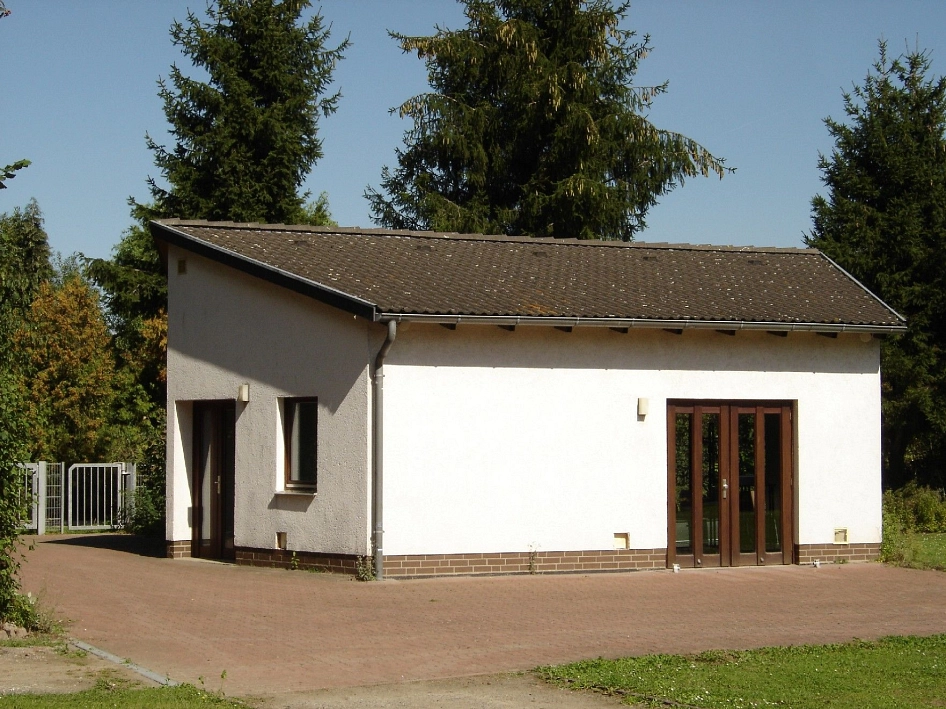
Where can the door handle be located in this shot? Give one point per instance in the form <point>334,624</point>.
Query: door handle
<point>218,484</point>
<point>725,488</point>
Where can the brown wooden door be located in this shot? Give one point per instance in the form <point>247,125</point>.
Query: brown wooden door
<point>214,478</point>
<point>729,475</point>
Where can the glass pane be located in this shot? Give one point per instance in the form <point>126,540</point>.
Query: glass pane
<point>773,482</point>
<point>747,497</point>
<point>302,454</point>
<point>227,471</point>
<point>206,472</point>
<point>710,474</point>
<point>684,501</point>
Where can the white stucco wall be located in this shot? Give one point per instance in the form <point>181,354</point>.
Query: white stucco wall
<point>510,441</point>
<point>226,329</point>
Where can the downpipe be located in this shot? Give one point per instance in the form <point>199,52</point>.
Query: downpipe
<point>377,450</point>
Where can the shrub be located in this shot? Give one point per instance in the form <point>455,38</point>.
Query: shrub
<point>916,508</point>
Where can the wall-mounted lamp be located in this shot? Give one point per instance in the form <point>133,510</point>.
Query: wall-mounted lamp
<point>643,406</point>
<point>244,393</point>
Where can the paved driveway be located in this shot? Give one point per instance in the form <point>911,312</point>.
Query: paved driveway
<point>279,631</point>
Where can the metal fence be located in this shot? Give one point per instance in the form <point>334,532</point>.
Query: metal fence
<point>84,497</point>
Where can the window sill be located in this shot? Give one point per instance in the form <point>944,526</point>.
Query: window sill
<point>296,493</point>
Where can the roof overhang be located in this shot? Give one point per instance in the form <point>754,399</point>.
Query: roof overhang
<point>637,323</point>
<point>291,281</point>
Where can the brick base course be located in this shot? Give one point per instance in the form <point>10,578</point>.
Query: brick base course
<point>307,560</point>
<point>830,553</point>
<point>523,562</point>
<point>178,549</point>
<point>540,562</point>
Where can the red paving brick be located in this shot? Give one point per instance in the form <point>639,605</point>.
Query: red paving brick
<point>278,631</point>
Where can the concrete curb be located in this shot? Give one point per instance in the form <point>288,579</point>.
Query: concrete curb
<point>143,671</point>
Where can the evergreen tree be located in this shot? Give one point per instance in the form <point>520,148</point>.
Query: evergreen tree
<point>884,220</point>
<point>244,141</point>
<point>24,266</point>
<point>533,127</point>
<point>247,137</point>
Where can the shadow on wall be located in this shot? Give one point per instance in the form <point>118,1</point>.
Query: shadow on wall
<point>640,349</point>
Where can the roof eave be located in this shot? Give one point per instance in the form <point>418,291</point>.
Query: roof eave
<point>639,323</point>
<point>164,232</point>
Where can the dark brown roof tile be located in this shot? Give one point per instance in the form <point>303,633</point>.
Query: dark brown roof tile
<point>400,272</point>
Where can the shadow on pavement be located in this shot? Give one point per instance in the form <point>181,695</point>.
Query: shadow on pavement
<point>128,543</point>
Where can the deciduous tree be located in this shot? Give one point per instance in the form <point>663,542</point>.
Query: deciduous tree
<point>67,372</point>
<point>533,127</point>
<point>884,220</point>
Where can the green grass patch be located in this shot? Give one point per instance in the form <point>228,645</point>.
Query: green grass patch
<point>929,551</point>
<point>892,672</point>
<point>109,695</point>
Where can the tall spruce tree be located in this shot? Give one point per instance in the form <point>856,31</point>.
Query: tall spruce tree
<point>533,127</point>
<point>244,141</point>
<point>246,138</point>
<point>884,220</point>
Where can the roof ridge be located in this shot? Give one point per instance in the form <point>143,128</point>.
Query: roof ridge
<point>457,236</point>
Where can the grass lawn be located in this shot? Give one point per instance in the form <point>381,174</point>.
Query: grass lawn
<point>929,551</point>
<point>892,672</point>
<point>105,695</point>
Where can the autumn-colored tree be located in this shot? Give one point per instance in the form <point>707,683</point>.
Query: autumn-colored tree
<point>67,373</point>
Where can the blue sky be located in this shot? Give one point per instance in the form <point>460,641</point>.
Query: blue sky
<point>751,81</point>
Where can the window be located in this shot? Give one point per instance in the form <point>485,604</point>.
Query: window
<point>301,417</point>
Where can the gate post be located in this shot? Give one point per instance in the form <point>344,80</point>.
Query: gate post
<point>69,495</point>
<point>40,502</point>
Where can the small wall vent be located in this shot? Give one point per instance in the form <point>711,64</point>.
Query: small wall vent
<point>622,540</point>
<point>840,535</point>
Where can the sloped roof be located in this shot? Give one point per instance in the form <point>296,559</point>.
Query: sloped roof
<point>382,274</point>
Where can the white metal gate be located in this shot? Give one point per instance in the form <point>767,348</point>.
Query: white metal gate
<point>86,497</point>
<point>96,495</point>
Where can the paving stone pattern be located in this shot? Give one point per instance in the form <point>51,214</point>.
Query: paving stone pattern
<point>279,631</point>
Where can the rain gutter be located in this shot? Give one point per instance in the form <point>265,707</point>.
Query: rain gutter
<point>640,323</point>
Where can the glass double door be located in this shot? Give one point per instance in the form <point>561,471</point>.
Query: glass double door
<point>730,474</point>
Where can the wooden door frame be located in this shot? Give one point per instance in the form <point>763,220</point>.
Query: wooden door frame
<point>729,411</point>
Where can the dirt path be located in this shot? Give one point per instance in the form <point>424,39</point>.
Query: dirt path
<point>46,670</point>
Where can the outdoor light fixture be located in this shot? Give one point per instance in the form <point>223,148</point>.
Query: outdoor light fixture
<point>244,394</point>
<point>643,407</point>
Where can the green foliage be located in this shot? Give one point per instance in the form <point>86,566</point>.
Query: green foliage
<point>914,527</point>
<point>67,373</point>
<point>533,127</point>
<point>246,138</point>
<point>364,568</point>
<point>8,172</point>
<point>27,612</point>
<point>24,266</point>
<point>884,221</point>
<point>317,212</point>
<point>916,508</point>
<point>891,672</point>
<point>109,694</point>
<point>148,505</point>
<point>13,504</point>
